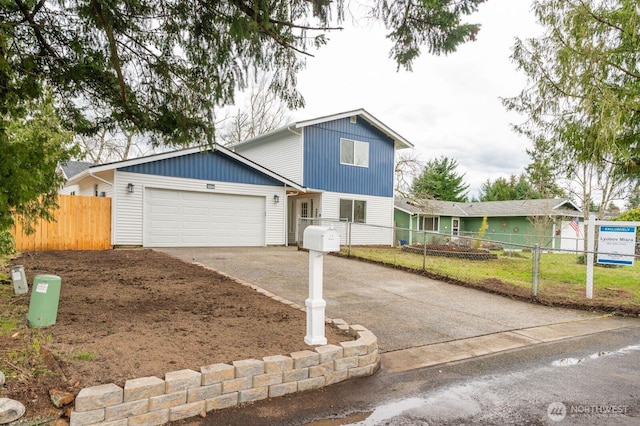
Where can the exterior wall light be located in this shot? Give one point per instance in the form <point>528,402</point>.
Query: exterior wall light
<point>276,199</point>
<point>130,188</point>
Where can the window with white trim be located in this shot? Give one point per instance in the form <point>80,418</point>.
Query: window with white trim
<point>354,153</point>
<point>428,223</point>
<point>353,210</point>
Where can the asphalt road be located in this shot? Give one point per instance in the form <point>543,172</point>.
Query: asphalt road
<point>590,380</point>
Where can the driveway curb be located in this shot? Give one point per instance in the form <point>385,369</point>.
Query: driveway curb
<point>463,349</point>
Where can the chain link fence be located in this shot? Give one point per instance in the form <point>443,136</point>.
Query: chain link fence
<point>536,270</point>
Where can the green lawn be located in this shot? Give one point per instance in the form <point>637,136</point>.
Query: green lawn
<point>561,278</point>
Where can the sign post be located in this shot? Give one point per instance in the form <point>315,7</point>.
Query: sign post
<point>616,245</point>
<point>591,247</point>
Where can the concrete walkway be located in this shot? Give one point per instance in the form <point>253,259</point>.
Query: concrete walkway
<point>404,310</point>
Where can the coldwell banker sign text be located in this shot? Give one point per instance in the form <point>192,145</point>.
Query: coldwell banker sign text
<point>616,245</point>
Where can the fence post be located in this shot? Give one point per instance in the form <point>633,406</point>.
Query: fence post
<point>424,252</point>
<point>349,238</point>
<point>536,270</point>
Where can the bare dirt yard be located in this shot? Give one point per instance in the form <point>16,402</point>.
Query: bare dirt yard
<point>132,313</point>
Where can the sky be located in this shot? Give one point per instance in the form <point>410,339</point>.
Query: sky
<point>447,106</point>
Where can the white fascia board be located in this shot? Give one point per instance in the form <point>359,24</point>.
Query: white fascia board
<point>262,137</point>
<point>400,142</point>
<point>567,202</point>
<point>147,159</point>
<point>60,170</point>
<point>188,151</point>
<point>404,210</point>
<point>331,117</point>
<point>132,162</point>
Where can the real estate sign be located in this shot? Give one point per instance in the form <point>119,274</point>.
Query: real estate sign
<point>617,245</point>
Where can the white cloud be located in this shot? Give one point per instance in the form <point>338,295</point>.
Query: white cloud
<point>448,105</point>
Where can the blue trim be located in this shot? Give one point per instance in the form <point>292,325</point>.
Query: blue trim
<point>207,165</point>
<point>617,229</point>
<point>616,262</point>
<point>322,168</point>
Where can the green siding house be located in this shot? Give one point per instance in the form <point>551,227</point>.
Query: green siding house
<point>514,223</point>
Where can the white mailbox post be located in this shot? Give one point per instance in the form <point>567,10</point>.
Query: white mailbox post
<point>319,240</point>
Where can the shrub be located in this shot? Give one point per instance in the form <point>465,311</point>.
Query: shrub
<point>7,244</point>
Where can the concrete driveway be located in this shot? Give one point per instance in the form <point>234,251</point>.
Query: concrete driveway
<point>404,310</point>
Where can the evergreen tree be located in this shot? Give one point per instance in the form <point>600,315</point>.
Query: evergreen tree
<point>31,149</point>
<point>583,93</point>
<point>440,181</point>
<point>161,67</point>
<point>545,169</point>
<point>501,189</point>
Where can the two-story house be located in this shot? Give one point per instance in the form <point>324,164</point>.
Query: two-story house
<point>334,167</point>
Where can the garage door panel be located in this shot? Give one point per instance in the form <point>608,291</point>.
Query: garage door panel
<point>183,218</point>
<point>165,224</point>
<point>188,196</point>
<point>195,210</point>
<point>164,195</point>
<point>196,226</point>
<point>164,209</point>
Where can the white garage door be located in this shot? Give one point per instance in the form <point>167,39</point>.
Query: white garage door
<point>197,219</point>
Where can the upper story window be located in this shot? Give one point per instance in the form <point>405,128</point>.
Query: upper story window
<point>354,153</point>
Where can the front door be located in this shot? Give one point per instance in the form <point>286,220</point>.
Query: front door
<point>455,226</point>
<point>303,209</point>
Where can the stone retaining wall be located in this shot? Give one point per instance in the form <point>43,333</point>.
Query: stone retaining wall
<point>186,393</point>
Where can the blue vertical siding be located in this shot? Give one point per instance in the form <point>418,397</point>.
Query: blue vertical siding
<point>322,168</point>
<point>208,165</point>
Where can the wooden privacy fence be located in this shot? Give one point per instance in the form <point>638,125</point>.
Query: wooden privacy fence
<point>81,223</point>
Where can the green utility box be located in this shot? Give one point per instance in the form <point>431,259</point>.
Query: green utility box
<point>43,306</point>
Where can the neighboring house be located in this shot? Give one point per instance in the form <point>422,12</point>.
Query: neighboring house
<point>69,170</point>
<point>526,222</point>
<point>335,167</point>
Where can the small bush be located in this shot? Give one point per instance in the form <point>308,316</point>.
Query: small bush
<point>7,244</point>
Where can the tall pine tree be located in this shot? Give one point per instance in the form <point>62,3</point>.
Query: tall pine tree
<point>440,181</point>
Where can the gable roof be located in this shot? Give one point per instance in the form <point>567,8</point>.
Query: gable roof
<point>399,141</point>
<point>540,207</point>
<point>72,168</point>
<point>187,151</point>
